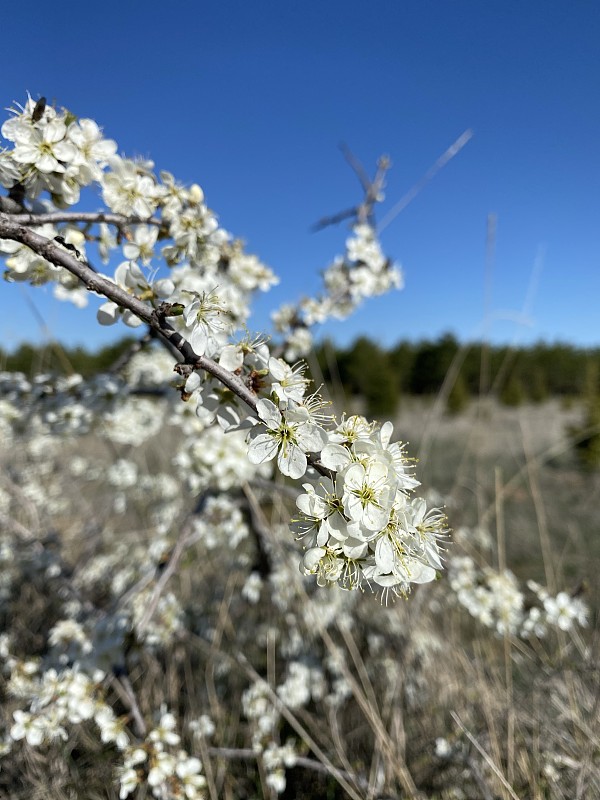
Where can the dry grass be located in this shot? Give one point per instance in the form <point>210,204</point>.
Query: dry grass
<point>518,463</point>
<point>520,717</point>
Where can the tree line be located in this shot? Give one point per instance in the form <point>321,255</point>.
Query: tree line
<point>57,359</point>
<point>513,374</point>
<point>383,376</point>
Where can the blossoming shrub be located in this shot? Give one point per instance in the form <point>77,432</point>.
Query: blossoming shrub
<point>165,635</point>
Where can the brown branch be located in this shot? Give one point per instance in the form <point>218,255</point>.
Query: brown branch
<point>301,731</point>
<point>124,689</point>
<point>334,219</point>
<point>260,531</point>
<point>168,571</point>
<point>9,205</point>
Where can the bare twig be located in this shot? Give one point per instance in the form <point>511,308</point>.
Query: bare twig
<point>176,553</point>
<point>358,168</point>
<point>260,530</point>
<point>125,691</point>
<point>334,219</point>
<point>232,754</point>
<point>300,730</point>
<point>485,756</point>
<point>10,206</point>
<point>372,189</point>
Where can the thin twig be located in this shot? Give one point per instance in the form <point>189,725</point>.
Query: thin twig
<point>363,212</point>
<point>300,729</point>
<point>179,548</point>
<point>540,511</point>
<point>261,531</point>
<point>485,756</point>
<point>358,168</point>
<point>89,217</point>
<point>441,162</point>
<point>232,754</point>
<point>125,691</point>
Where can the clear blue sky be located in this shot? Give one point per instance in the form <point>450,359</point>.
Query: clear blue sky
<point>250,99</point>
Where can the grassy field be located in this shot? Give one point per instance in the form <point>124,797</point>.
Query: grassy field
<point>417,699</point>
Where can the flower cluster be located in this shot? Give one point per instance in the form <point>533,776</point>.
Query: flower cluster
<point>289,436</point>
<point>364,526</point>
<point>360,522</point>
<point>264,719</point>
<point>159,762</point>
<point>496,601</point>
<point>53,152</point>
<point>362,272</point>
<point>58,700</point>
<point>127,595</point>
<point>376,533</point>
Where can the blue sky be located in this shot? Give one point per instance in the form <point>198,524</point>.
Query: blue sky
<point>252,99</point>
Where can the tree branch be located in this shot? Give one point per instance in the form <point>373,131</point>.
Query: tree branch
<point>231,754</point>
<point>89,217</point>
<point>358,168</point>
<point>372,189</point>
<point>55,254</point>
<point>154,317</point>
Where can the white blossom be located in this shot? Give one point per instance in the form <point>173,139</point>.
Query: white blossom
<point>127,189</point>
<point>289,436</point>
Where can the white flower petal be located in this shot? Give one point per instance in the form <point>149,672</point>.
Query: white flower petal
<point>312,505</point>
<point>231,357</point>
<point>262,448</point>
<point>335,457</point>
<point>269,413</point>
<point>353,548</point>
<point>420,573</point>
<point>198,340</point>
<point>107,314</point>
<point>292,461</point>
<point>311,438</point>
<point>384,554</point>
<point>386,433</point>
<point>312,558</point>
<point>192,383</point>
